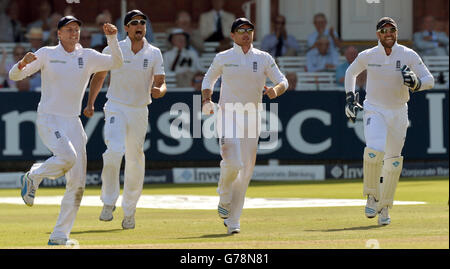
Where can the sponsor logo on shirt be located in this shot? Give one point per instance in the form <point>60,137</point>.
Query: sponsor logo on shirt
<point>127,61</point>
<point>376,65</point>
<point>57,61</point>
<point>397,65</point>
<point>58,135</point>
<point>230,65</point>
<point>80,62</point>
<point>255,66</point>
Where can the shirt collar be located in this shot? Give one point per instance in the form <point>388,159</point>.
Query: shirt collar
<point>128,42</point>
<point>238,49</point>
<point>77,47</point>
<point>381,48</point>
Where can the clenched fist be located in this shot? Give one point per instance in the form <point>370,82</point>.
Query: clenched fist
<point>109,29</point>
<point>27,59</point>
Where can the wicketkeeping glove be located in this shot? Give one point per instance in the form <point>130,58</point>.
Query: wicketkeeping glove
<point>352,106</point>
<point>410,79</point>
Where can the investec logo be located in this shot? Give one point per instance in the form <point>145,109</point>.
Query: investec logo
<point>346,172</point>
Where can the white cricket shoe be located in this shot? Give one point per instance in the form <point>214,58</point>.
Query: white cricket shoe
<point>383,217</point>
<point>371,207</point>
<point>232,228</point>
<point>28,190</point>
<point>61,242</point>
<point>128,222</point>
<point>107,213</point>
<point>224,210</point>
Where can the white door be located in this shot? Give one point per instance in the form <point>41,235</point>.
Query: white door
<point>299,15</point>
<point>359,18</point>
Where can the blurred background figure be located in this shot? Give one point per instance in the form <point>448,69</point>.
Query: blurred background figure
<point>320,23</point>
<point>131,5</point>
<point>184,22</point>
<point>53,36</point>
<point>98,39</point>
<point>181,60</point>
<point>10,26</point>
<point>44,21</point>
<point>292,80</point>
<point>196,82</point>
<point>215,24</point>
<point>430,42</point>
<point>5,66</point>
<point>36,38</point>
<point>85,38</point>
<point>280,43</point>
<point>224,44</point>
<point>321,58</point>
<point>350,55</point>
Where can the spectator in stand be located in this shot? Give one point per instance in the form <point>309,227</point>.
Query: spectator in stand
<point>35,37</point>
<point>131,5</point>
<point>184,22</point>
<point>292,81</point>
<point>350,55</point>
<point>53,37</point>
<point>279,43</point>
<point>85,38</point>
<point>430,42</point>
<point>44,21</point>
<point>18,53</point>
<point>215,24</point>
<point>10,26</point>
<point>196,82</point>
<point>182,61</point>
<point>98,38</point>
<point>224,44</point>
<point>320,23</point>
<point>321,58</point>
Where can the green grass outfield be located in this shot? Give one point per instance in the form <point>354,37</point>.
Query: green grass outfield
<point>413,226</point>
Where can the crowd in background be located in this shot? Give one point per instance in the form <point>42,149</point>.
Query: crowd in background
<point>186,42</point>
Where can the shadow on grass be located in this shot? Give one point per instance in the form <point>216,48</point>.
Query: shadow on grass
<point>360,228</point>
<point>207,236</point>
<point>95,231</point>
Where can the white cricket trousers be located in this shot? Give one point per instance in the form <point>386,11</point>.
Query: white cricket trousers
<point>66,139</point>
<point>238,139</point>
<point>385,129</point>
<point>125,130</point>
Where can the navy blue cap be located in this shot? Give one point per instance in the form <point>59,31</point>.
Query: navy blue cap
<point>386,20</point>
<point>239,22</point>
<point>131,14</point>
<point>68,19</point>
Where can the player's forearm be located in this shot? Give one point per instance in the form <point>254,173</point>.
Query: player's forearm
<point>427,83</point>
<point>17,73</point>
<point>281,87</point>
<point>206,94</point>
<point>96,86</point>
<point>116,52</point>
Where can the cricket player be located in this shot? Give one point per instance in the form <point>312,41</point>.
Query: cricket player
<point>244,71</point>
<point>126,116</point>
<point>65,69</point>
<point>392,71</point>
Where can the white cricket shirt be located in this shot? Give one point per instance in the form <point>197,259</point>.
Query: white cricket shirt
<point>243,75</point>
<point>131,83</point>
<point>385,86</point>
<point>65,75</point>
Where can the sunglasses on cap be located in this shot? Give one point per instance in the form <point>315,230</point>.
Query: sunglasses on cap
<point>243,30</point>
<point>136,22</point>
<point>386,30</point>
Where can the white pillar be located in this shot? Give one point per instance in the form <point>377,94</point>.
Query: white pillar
<point>262,18</point>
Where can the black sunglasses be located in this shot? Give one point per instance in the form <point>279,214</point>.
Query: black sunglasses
<point>136,22</point>
<point>385,30</point>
